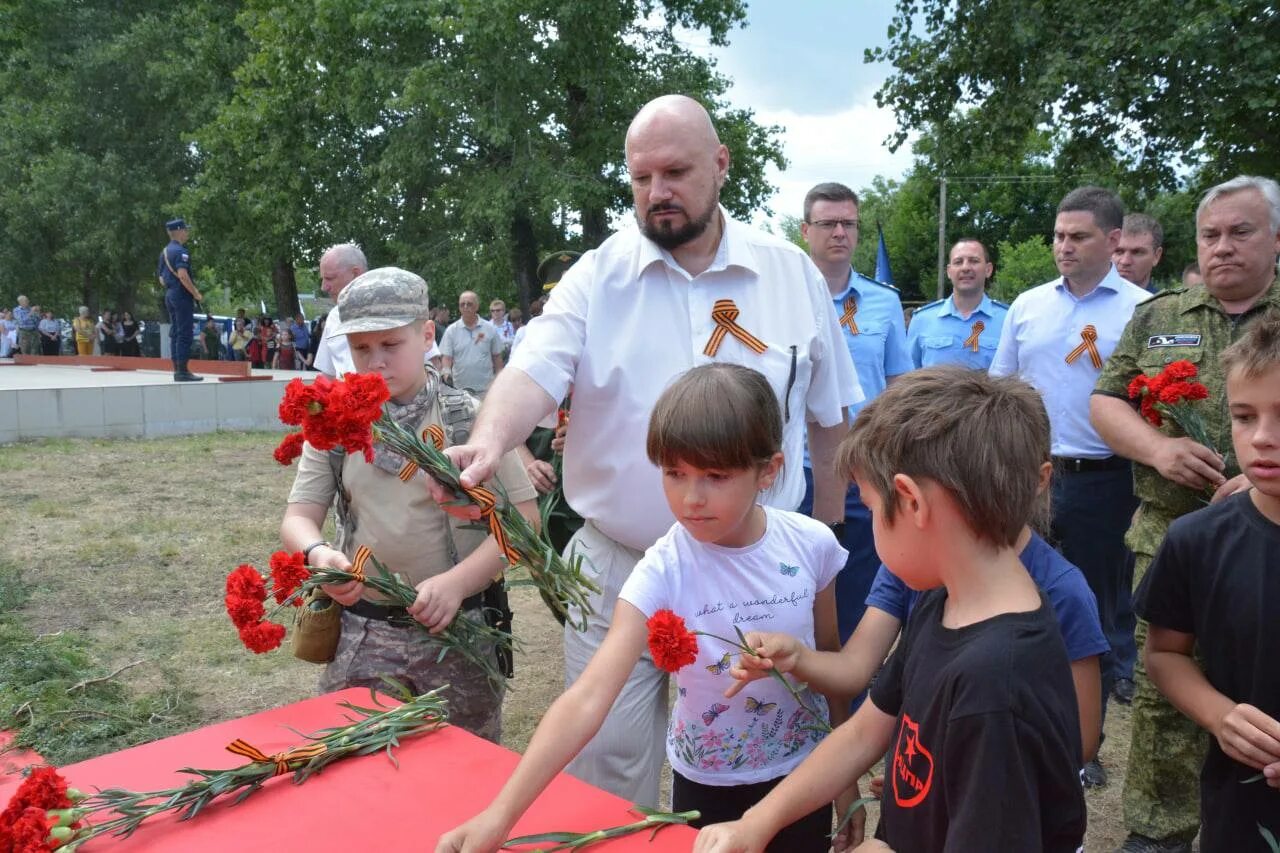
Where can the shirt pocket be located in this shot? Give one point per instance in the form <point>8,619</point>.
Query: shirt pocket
<point>1155,359</point>
<point>788,368</point>
<point>934,349</point>
<point>869,344</point>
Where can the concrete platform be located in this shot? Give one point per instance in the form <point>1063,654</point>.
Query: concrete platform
<point>88,401</point>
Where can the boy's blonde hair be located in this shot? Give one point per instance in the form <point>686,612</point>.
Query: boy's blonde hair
<point>716,416</point>
<point>1257,351</point>
<point>983,439</point>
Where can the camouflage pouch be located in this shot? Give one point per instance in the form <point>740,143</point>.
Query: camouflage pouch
<point>317,629</point>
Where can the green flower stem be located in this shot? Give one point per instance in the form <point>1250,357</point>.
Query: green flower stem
<point>652,820</point>
<point>560,582</point>
<point>464,635</point>
<point>377,729</point>
<point>741,645</point>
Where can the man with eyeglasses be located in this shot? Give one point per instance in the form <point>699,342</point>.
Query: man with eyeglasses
<point>870,317</point>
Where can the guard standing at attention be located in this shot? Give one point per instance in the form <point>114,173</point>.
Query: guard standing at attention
<point>180,297</point>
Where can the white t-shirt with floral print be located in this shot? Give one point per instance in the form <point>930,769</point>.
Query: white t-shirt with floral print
<point>761,733</point>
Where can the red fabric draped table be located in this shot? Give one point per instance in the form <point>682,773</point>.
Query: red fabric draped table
<point>358,803</point>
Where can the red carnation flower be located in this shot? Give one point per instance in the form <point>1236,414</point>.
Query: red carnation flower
<point>1181,369</point>
<point>246,582</point>
<point>1176,392</point>
<point>288,571</point>
<point>262,637</point>
<point>244,611</point>
<point>44,788</point>
<point>30,832</point>
<point>672,645</point>
<point>1136,387</point>
<point>289,449</point>
<point>302,399</point>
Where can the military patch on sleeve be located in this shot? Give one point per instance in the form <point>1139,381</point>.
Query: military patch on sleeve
<point>1156,341</point>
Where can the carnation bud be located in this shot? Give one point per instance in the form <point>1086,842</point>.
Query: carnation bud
<point>62,834</point>
<point>75,795</point>
<point>64,817</point>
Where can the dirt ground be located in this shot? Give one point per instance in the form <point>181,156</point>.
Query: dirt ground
<point>128,542</point>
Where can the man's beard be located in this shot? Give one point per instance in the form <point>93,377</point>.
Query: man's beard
<point>669,237</point>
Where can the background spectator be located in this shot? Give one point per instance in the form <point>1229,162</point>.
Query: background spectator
<point>8,333</point>
<point>131,333</point>
<point>82,328</point>
<point>239,339</point>
<point>286,357</point>
<point>107,344</point>
<point>212,334</point>
<point>50,334</point>
<point>301,338</point>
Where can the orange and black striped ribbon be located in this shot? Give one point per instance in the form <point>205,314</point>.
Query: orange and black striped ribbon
<point>357,565</point>
<point>725,315</point>
<point>280,759</point>
<point>850,311</point>
<point>1088,343</point>
<point>406,473</point>
<point>972,341</point>
<point>434,434</point>
<point>488,503</point>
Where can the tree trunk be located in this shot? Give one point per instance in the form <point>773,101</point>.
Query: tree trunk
<point>524,259</point>
<point>285,286</point>
<point>595,226</point>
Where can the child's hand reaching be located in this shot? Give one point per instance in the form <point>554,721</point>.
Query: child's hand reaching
<point>773,651</point>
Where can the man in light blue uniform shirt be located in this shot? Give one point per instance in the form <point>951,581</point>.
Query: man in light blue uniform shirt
<point>870,316</point>
<point>1057,337</point>
<point>964,328</point>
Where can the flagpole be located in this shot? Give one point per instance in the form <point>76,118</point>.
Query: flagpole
<point>942,237</point>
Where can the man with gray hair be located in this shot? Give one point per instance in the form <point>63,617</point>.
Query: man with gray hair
<point>1140,249</point>
<point>1237,243</point>
<point>338,266</point>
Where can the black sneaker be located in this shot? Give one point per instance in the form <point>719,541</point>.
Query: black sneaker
<point>1123,691</point>
<point>1094,775</point>
<point>1136,843</point>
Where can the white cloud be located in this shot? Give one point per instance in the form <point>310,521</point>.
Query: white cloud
<point>846,146</point>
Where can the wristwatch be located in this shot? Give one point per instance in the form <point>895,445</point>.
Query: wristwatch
<point>306,552</point>
<point>837,527</point>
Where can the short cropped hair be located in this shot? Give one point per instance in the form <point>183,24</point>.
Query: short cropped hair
<point>348,256</point>
<point>830,191</point>
<point>982,438</point>
<point>1258,349</point>
<point>716,416</point>
<point>1190,268</point>
<point>1269,189</point>
<point>1141,223</point>
<point>986,256</point>
<point>1106,207</point>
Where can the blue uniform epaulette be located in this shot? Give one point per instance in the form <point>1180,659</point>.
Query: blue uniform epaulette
<point>873,281</point>
<point>930,305</point>
<point>1001,304</point>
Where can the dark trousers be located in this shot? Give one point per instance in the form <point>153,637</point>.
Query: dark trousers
<point>1091,512</point>
<point>721,803</point>
<point>48,347</point>
<point>181,321</point>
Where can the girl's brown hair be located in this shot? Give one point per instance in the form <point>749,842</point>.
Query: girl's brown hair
<point>716,416</point>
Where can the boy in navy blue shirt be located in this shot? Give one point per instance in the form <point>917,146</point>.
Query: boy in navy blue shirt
<point>975,708</point>
<point>1212,595</point>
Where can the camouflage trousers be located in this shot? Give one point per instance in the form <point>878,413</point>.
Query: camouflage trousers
<point>370,649</point>
<point>1166,749</point>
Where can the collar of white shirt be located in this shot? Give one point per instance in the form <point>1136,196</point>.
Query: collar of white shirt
<point>734,250</point>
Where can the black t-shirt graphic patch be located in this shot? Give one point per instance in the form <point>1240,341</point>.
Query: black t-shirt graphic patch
<point>912,766</point>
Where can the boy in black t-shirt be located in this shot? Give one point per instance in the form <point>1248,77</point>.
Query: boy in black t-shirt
<point>1215,586</point>
<point>976,708</point>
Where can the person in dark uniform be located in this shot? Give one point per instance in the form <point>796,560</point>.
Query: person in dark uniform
<point>180,296</point>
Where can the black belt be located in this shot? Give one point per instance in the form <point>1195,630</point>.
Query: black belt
<point>399,616</point>
<point>1077,466</point>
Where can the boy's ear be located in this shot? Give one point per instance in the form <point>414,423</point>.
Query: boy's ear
<point>1046,474</point>
<point>429,332</point>
<point>911,499</point>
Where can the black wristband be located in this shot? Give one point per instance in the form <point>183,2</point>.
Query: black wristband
<point>306,552</point>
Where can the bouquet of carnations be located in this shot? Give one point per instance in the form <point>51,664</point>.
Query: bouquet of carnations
<point>44,814</point>
<point>348,414</point>
<point>292,580</point>
<point>1173,394</point>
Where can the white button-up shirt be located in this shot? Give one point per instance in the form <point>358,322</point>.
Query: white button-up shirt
<point>626,319</point>
<point>333,353</point>
<point>1042,327</point>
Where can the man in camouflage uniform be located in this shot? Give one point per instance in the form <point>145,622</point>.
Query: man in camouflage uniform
<point>1238,240</point>
<point>386,508</point>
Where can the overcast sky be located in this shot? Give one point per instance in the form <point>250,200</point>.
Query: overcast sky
<point>799,65</point>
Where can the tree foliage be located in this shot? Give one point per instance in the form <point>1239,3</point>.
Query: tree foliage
<point>1165,87</point>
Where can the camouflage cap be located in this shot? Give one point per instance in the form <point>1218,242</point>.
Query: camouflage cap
<point>554,266</point>
<point>381,299</point>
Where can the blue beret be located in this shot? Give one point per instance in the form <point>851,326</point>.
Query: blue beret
<point>175,224</point>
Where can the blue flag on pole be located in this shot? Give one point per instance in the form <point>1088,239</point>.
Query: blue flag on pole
<point>883,274</point>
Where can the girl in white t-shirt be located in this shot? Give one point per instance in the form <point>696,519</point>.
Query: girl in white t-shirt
<point>729,562</point>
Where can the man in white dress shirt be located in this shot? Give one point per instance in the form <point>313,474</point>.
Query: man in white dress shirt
<point>1057,337</point>
<point>339,266</point>
<point>719,291</point>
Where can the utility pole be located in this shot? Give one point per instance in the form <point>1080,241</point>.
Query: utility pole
<point>942,236</point>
